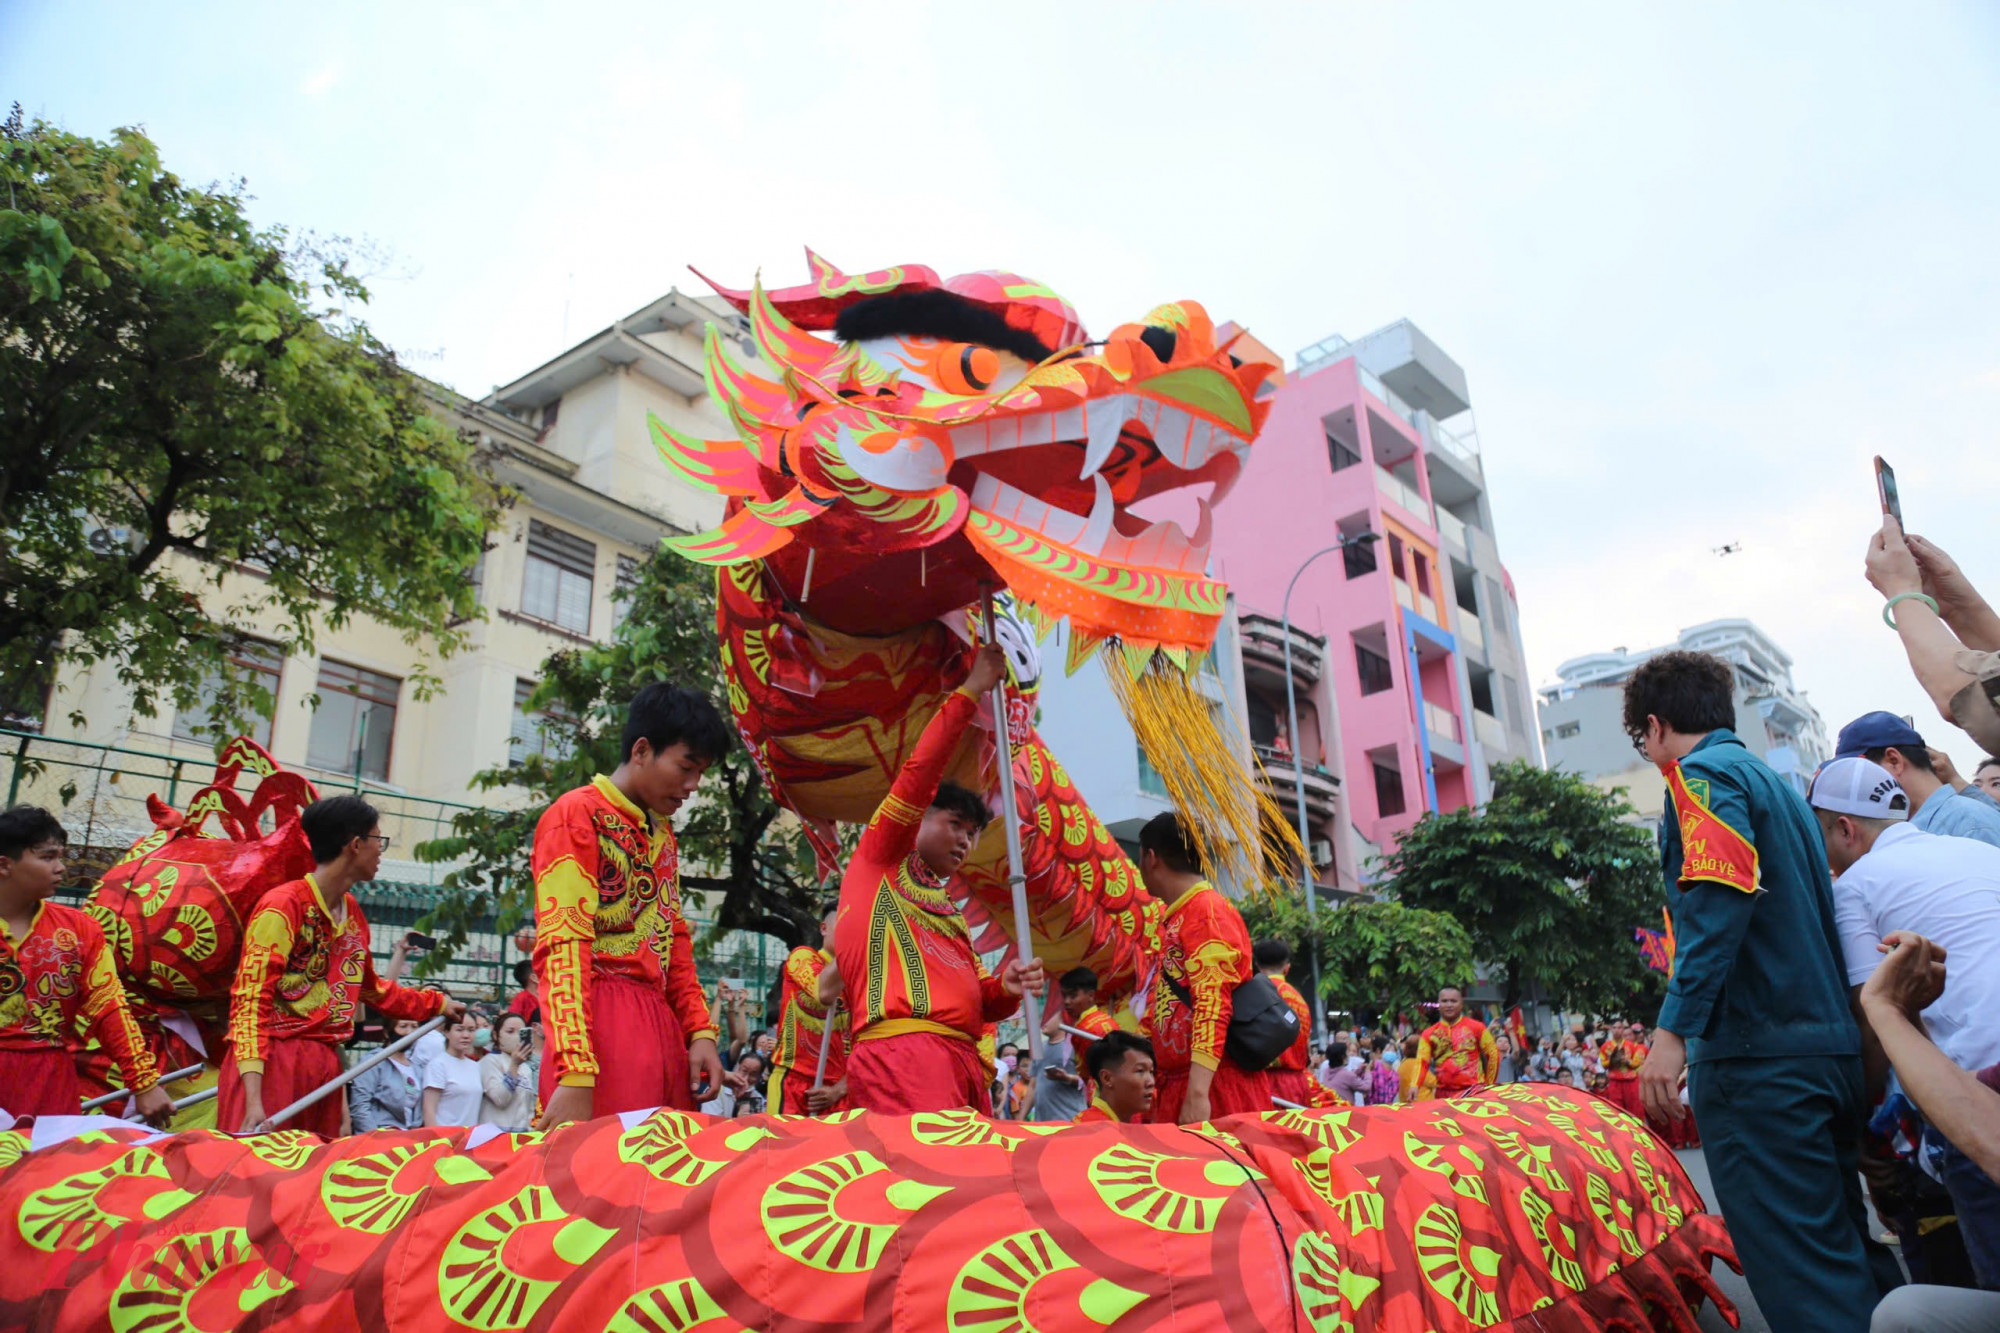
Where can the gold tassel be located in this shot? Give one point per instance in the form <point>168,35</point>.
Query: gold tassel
<point>1238,827</point>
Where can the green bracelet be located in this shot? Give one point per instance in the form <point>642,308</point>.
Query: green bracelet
<point>1890,605</point>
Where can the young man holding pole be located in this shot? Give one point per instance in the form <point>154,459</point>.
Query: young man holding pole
<point>304,975</point>
<point>1287,1073</point>
<point>919,995</point>
<point>809,1064</point>
<point>57,980</point>
<point>612,946</point>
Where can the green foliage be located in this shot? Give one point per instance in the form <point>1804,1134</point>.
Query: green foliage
<point>735,840</point>
<point>197,393</point>
<point>1382,956</point>
<point>1550,881</point>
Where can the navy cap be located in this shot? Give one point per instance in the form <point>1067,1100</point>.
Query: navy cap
<point>1876,731</point>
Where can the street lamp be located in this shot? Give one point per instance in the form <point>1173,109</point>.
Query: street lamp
<point>1299,776</point>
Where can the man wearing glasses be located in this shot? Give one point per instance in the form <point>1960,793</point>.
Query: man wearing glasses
<point>304,975</point>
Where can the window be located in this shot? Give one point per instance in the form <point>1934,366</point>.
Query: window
<point>1388,791</point>
<point>1496,608</point>
<point>622,586</point>
<point>24,698</point>
<point>1360,559</point>
<point>1150,780</point>
<point>354,722</point>
<point>550,411</point>
<point>1482,692</point>
<point>1339,453</point>
<point>1517,705</point>
<point>1565,730</point>
<point>557,585</point>
<point>1421,568</point>
<point>1374,670</point>
<point>1396,557</point>
<point>257,663</point>
<point>531,730</point>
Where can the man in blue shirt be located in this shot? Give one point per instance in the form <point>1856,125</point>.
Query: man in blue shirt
<point>1757,1005</point>
<point>1936,806</point>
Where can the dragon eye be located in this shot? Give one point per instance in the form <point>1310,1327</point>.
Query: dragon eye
<point>965,367</point>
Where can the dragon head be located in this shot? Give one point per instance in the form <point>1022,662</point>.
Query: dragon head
<point>954,435</point>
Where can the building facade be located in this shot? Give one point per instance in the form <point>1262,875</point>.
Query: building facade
<point>1582,714</point>
<point>1406,660</point>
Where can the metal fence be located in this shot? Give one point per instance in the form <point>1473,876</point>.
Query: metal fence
<point>99,792</point>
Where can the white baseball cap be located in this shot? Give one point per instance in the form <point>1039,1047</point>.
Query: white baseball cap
<point>1858,786</point>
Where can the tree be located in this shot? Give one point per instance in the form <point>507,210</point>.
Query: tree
<point>1549,880</point>
<point>735,840</point>
<point>1381,956</point>
<point>184,396</point>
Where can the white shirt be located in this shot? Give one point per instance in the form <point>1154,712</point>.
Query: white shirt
<point>426,1049</point>
<point>458,1078</point>
<point>1947,890</point>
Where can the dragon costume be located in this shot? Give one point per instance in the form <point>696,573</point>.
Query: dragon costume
<point>950,436</point>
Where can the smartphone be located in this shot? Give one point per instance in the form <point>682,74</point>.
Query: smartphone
<point>1885,486</point>
<point>416,939</point>
<point>735,984</point>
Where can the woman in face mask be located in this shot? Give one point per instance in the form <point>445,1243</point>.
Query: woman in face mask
<point>507,1084</point>
<point>451,1081</point>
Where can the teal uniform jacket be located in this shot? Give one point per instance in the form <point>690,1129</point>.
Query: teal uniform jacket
<point>1756,976</point>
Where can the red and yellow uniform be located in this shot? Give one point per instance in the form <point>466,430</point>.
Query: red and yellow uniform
<point>919,994</point>
<point>1098,1024</point>
<point>1452,1057</point>
<point>614,959</point>
<point>1622,1062</point>
<point>303,977</point>
<point>1099,1112</point>
<point>1287,1073</point>
<point>1205,956</point>
<point>802,1027</point>
<point>58,985</point>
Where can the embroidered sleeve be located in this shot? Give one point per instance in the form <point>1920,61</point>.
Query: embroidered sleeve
<point>565,868</point>
<point>994,1001</point>
<point>1426,1080</point>
<point>1489,1055</point>
<point>1214,968</point>
<point>393,1000</point>
<point>802,968</point>
<point>892,832</point>
<point>108,1018</point>
<point>253,1001</point>
<point>684,993</point>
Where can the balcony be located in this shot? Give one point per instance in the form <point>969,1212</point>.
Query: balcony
<point>1404,494</point>
<point>1264,642</point>
<point>1452,529</point>
<point>1440,722</point>
<point>1282,775</point>
<point>1487,729</point>
<point>1471,634</point>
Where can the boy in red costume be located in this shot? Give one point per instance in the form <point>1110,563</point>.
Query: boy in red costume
<point>1287,1073</point>
<point>1455,1053</point>
<point>612,948</point>
<point>803,1027</point>
<point>1204,957</point>
<point>1624,1056</point>
<point>303,977</point>
<point>1120,1067</point>
<point>58,982</point>
<point>919,996</point>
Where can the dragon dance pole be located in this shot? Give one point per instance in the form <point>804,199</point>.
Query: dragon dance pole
<point>320,1093</point>
<point>825,1041</point>
<point>116,1093</point>
<point>1010,819</point>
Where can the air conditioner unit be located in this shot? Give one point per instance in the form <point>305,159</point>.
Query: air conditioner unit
<point>1322,852</point>
<point>107,541</point>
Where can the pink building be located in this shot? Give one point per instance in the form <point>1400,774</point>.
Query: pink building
<point>1406,649</point>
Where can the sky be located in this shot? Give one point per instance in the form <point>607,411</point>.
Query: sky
<point>1700,261</point>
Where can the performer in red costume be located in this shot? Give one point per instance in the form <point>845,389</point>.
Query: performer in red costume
<point>802,1028</point>
<point>304,975</point>
<point>1455,1053</point>
<point>57,982</point>
<point>612,949</point>
<point>1287,1073</point>
<point>1204,957</point>
<point>1120,1068</point>
<point>1624,1056</point>
<point>919,995</point>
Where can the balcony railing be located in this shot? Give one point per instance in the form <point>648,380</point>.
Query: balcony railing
<point>1404,494</point>
<point>1463,446</point>
<point>1471,633</point>
<point>1387,396</point>
<point>1452,529</point>
<point>1322,787</point>
<point>1263,641</point>
<point>1440,722</point>
<point>1489,731</point>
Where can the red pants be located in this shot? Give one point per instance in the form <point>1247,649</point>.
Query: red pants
<point>642,1057</point>
<point>1291,1084</point>
<point>1235,1091</point>
<point>786,1093</point>
<point>295,1066</point>
<point>916,1071</point>
<point>38,1080</point>
<point>1623,1093</point>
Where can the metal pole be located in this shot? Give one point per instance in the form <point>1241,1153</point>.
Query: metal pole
<point>1299,795</point>
<point>334,1085</point>
<point>825,1041</point>
<point>1010,819</point>
<point>1289,1106</point>
<point>20,762</point>
<point>1079,1032</point>
<point>116,1093</point>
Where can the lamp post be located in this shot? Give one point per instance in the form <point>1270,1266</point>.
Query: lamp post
<point>1299,776</point>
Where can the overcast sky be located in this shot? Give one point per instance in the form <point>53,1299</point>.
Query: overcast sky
<point>1699,261</point>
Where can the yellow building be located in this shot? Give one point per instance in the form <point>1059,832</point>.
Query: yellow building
<point>571,438</point>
